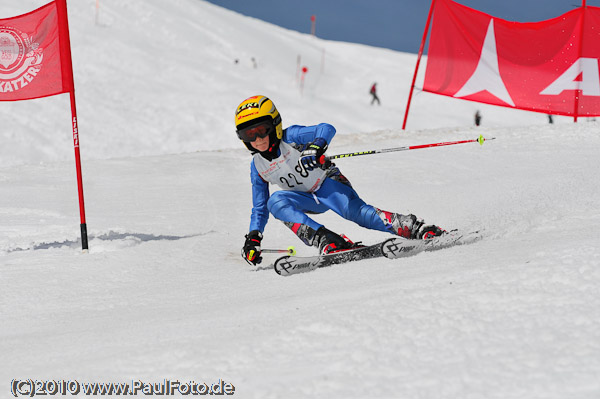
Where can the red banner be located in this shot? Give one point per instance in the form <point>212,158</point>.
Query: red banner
<point>549,66</point>
<point>33,61</point>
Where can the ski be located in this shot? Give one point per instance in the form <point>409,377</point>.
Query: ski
<point>392,248</point>
<point>288,265</point>
<point>395,248</point>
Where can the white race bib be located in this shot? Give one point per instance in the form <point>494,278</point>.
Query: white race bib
<point>287,173</point>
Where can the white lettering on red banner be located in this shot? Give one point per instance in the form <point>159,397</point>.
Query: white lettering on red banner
<point>548,66</point>
<point>584,68</point>
<point>487,74</point>
<point>20,59</point>
<point>32,64</point>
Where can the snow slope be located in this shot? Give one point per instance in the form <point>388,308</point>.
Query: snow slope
<point>156,77</point>
<point>163,292</point>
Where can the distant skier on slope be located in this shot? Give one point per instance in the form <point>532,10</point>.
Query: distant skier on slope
<point>291,159</point>
<point>477,118</point>
<point>373,93</point>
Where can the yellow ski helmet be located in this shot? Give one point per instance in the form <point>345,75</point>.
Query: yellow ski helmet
<point>258,115</point>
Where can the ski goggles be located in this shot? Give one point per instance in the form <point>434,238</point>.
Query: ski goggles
<point>251,133</point>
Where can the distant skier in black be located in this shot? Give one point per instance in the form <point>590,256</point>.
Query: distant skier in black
<point>477,118</point>
<point>550,120</point>
<point>374,94</point>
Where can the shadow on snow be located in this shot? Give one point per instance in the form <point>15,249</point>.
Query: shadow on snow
<point>110,236</point>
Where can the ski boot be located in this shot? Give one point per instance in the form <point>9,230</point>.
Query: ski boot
<point>430,231</point>
<point>408,226</point>
<point>325,240</point>
<point>329,242</point>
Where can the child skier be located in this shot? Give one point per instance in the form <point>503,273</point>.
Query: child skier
<point>292,159</point>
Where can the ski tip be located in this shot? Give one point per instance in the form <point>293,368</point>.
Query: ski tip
<point>282,271</point>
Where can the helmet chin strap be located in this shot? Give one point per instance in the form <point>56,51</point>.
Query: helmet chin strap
<point>271,152</point>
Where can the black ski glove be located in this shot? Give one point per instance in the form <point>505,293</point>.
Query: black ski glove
<point>251,251</point>
<point>311,157</point>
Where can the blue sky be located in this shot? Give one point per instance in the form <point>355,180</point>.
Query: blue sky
<point>394,24</point>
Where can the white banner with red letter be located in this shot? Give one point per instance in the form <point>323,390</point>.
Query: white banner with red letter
<point>549,66</point>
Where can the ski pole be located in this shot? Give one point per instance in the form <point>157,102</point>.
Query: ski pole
<point>291,250</point>
<point>325,158</point>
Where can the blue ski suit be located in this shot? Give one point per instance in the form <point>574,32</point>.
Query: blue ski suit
<point>332,191</point>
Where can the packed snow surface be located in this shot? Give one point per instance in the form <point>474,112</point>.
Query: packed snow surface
<point>163,292</point>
